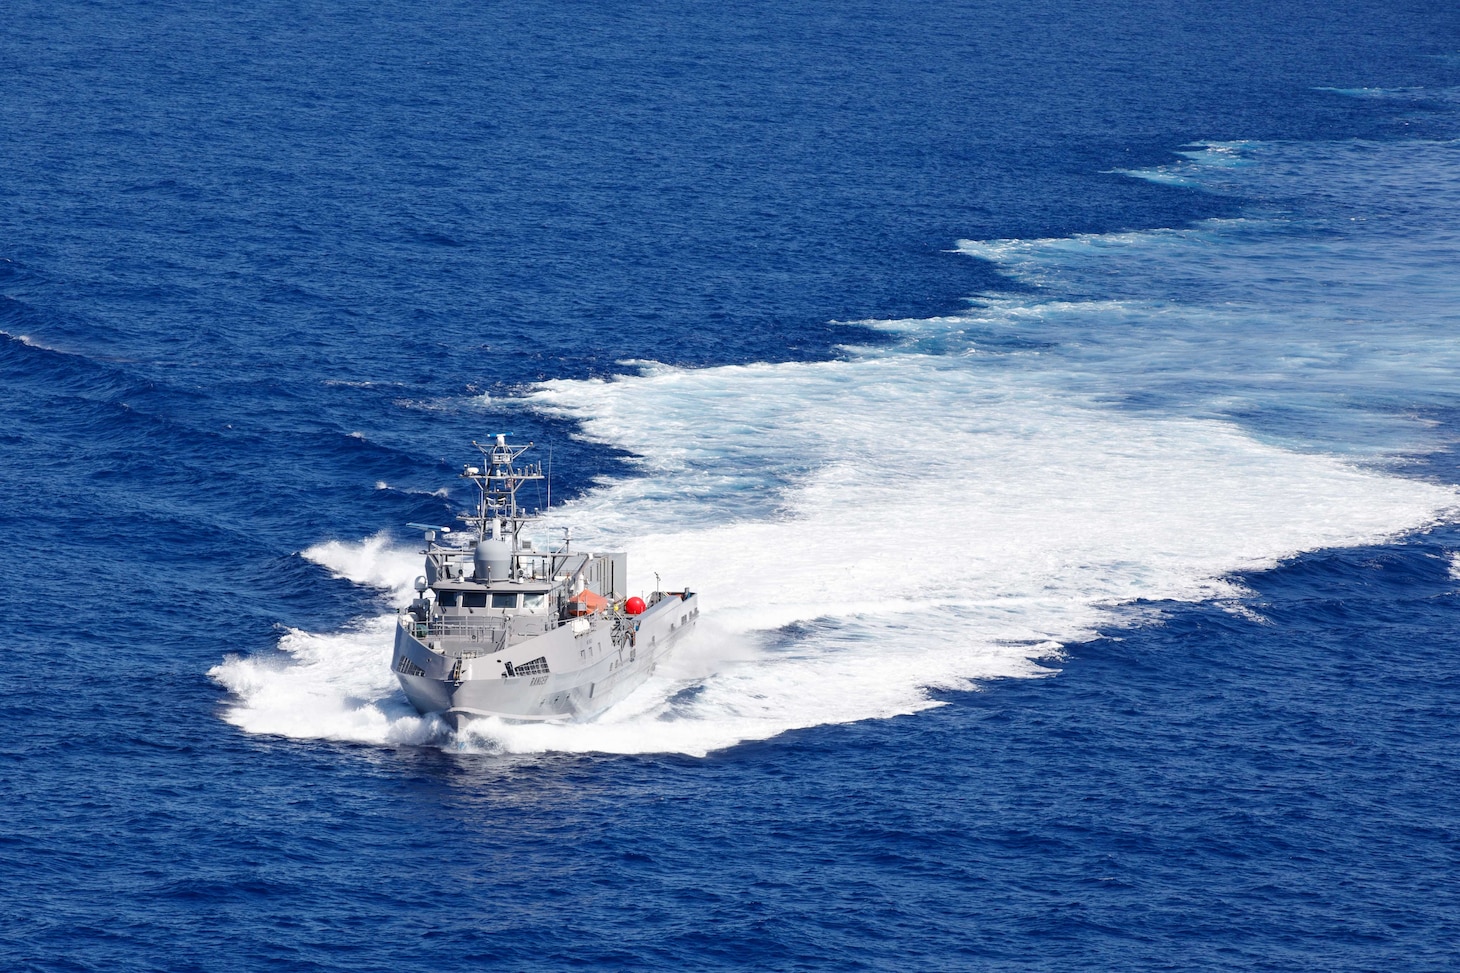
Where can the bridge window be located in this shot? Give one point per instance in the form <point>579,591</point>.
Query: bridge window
<point>502,599</point>
<point>474,599</point>
<point>534,600</point>
<point>446,599</point>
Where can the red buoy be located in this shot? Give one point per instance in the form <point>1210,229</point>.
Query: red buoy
<point>635,605</point>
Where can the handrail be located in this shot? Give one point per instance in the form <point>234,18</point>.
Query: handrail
<point>484,633</point>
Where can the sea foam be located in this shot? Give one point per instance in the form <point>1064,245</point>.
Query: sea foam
<point>1162,411</point>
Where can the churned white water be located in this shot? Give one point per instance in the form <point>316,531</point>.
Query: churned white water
<point>1162,410</point>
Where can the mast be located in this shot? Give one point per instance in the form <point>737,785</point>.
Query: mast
<point>498,479</point>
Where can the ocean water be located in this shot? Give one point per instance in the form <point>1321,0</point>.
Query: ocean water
<point>1054,406</point>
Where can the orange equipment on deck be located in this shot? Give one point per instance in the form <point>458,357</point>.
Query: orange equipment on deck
<point>586,603</point>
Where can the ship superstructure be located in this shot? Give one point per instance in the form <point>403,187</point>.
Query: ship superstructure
<point>502,627</point>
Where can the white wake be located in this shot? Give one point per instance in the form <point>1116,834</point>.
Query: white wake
<point>957,508</point>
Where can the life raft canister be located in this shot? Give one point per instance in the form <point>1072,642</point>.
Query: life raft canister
<point>586,603</point>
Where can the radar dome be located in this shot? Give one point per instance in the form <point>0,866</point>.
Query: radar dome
<point>492,560</point>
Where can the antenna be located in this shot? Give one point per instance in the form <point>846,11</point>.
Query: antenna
<point>550,477</point>
<point>497,480</point>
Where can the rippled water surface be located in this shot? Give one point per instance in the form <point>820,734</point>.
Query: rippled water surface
<point>1054,408</point>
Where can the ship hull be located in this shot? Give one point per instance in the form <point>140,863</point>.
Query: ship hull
<point>587,670</point>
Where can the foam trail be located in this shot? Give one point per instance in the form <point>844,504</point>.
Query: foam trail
<point>1330,325</point>
<point>959,507</point>
<point>410,491</point>
<point>993,528</point>
<point>374,563</point>
<point>333,687</point>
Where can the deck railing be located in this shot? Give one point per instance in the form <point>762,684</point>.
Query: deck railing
<point>471,636</point>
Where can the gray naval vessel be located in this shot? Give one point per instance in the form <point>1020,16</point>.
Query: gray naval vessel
<point>502,627</point>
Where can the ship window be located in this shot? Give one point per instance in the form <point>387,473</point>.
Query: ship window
<point>535,600</point>
<point>446,599</point>
<point>504,599</point>
<point>473,599</point>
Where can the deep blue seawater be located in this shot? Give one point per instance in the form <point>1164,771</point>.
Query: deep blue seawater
<point>1055,404</point>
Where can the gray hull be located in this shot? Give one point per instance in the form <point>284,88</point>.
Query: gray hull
<point>572,672</point>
